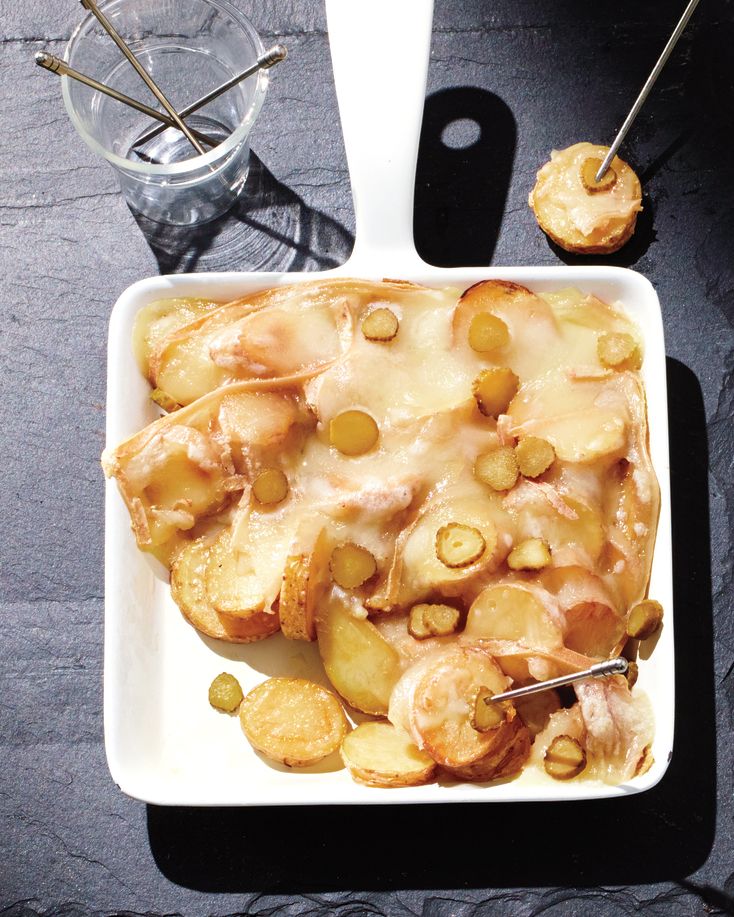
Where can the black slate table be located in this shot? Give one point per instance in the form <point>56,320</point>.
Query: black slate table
<point>532,75</point>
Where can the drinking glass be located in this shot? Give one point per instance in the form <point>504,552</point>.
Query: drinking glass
<point>188,47</point>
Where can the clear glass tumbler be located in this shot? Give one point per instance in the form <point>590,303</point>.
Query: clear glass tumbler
<point>189,47</point>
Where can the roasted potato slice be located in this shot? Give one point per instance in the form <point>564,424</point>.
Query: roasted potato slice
<point>154,322</point>
<point>188,589</point>
<point>305,580</point>
<point>359,662</point>
<point>232,584</point>
<point>378,754</point>
<point>536,709</point>
<point>293,720</point>
<point>513,613</point>
<point>434,702</point>
<point>507,754</point>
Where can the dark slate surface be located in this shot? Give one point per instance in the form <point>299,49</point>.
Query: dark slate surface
<point>534,75</point>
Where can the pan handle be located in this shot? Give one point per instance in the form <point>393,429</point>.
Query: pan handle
<point>380,50</point>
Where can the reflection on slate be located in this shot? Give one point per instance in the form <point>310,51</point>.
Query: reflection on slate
<point>467,147</point>
<point>665,833</point>
<point>270,228</point>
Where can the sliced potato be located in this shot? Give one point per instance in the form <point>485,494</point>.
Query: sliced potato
<point>360,663</point>
<point>534,456</point>
<point>644,619</point>
<point>564,758</point>
<point>509,751</point>
<point>225,692</point>
<point>513,613</point>
<point>498,468</point>
<point>188,589</point>
<point>494,389</point>
<point>531,554</point>
<point>618,350</point>
<point>442,704</point>
<point>351,565</point>
<point>432,621</point>
<point>487,332</point>
<point>232,585</point>
<point>380,325</point>
<point>305,580</point>
<point>353,432</point>
<point>293,720</point>
<point>270,486</point>
<point>378,754</point>
<point>459,545</point>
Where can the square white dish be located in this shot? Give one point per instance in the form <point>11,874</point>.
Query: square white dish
<point>164,743</point>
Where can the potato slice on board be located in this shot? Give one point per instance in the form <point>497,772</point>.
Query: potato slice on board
<point>306,578</point>
<point>188,589</point>
<point>378,754</point>
<point>359,662</point>
<point>293,720</point>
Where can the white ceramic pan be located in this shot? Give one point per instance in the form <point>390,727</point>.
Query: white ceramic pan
<point>164,743</point>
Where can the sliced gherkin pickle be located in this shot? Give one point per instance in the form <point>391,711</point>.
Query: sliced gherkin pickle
<point>589,168</point>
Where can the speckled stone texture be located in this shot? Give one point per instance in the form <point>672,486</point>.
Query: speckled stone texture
<point>533,74</point>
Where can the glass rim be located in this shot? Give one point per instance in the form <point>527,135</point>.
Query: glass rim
<point>216,156</point>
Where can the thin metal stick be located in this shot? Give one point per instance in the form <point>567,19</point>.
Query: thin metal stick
<point>645,91</point>
<point>276,54</point>
<point>601,670</point>
<point>142,73</point>
<point>56,65</point>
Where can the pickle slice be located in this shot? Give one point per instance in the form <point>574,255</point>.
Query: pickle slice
<point>351,565</point>
<point>432,621</point>
<point>564,758</point>
<point>534,456</point>
<point>353,432</point>
<point>225,693</point>
<point>487,716</point>
<point>494,389</point>
<point>617,349</point>
<point>380,325</point>
<point>644,619</point>
<point>532,554</point>
<point>497,468</point>
<point>487,332</point>
<point>270,486</point>
<point>459,545</point>
<point>589,168</point>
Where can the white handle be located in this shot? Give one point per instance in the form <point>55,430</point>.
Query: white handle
<point>380,51</point>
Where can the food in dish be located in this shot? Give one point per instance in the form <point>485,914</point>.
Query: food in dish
<point>580,214</point>
<point>449,491</point>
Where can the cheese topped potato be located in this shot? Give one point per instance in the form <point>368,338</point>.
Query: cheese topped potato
<point>577,212</point>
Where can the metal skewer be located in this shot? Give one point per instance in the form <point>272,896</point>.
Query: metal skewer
<point>56,65</point>
<point>142,73</point>
<point>645,91</point>
<point>601,670</point>
<point>276,54</point>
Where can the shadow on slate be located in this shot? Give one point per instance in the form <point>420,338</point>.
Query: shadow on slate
<point>270,228</point>
<point>664,834</point>
<point>465,157</point>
